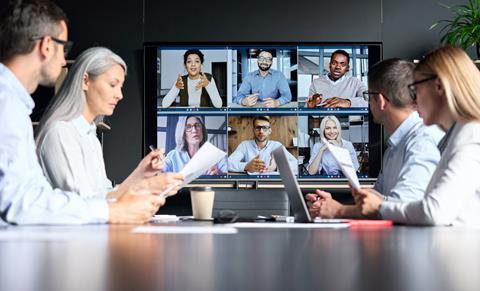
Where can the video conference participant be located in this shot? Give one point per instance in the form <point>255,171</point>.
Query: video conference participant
<point>264,86</point>
<point>445,87</point>
<point>321,159</point>
<point>67,145</point>
<point>196,88</point>
<point>255,156</point>
<point>336,88</point>
<point>32,51</point>
<point>412,154</point>
<point>190,135</point>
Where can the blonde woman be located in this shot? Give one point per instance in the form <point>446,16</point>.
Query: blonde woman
<point>446,88</point>
<point>321,160</point>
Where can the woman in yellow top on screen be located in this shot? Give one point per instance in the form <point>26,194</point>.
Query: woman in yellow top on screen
<point>321,160</point>
<point>197,88</point>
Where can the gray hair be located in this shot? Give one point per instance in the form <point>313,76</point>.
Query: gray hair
<point>391,77</point>
<point>323,124</point>
<point>70,100</point>
<point>180,132</point>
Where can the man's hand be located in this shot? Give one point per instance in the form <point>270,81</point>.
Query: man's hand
<point>337,102</point>
<point>314,100</point>
<point>270,102</point>
<point>315,200</point>
<point>250,100</point>
<point>203,81</point>
<point>179,84</point>
<point>368,200</point>
<point>134,207</point>
<point>272,167</point>
<point>255,165</point>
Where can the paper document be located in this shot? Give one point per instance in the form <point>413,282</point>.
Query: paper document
<point>206,157</point>
<point>342,157</point>
<point>186,229</point>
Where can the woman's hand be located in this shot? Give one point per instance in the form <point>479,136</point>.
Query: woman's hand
<point>179,84</point>
<point>203,81</point>
<point>151,164</point>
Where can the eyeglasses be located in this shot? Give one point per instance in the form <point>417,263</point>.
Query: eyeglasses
<point>67,44</point>
<point>412,87</point>
<point>264,128</point>
<point>264,59</point>
<point>189,127</point>
<point>366,94</point>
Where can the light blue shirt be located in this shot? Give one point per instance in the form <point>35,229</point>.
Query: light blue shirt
<point>26,197</point>
<point>176,160</point>
<point>273,85</point>
<point>409,161</point>
<point>328,162</point>
<point>248,149</point>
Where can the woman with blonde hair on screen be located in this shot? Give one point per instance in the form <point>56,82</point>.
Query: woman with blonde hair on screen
<point>446,88</point>
<point>321,160</point>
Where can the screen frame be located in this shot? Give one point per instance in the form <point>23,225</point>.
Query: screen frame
<point>149,133</point>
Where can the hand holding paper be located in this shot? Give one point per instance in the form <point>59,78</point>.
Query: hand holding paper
<point>342,157</point>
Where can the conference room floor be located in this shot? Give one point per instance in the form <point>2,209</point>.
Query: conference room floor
<point>102,257</point>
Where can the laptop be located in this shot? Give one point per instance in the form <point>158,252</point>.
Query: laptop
<point>297,202</point>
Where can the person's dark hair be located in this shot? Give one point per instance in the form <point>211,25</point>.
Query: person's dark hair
<point>341,52</point>
<point>272,52</point>
<point>23,20</point>
<point>192,52</point>
<point>264,118</point>
<point>391,78</point>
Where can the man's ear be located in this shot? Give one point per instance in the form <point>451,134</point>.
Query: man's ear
<point>382,101</point>
<point>85,82</point>
<point>45,47</point>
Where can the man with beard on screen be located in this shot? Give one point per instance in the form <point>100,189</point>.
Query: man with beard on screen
<point>255,155</point>
<point>265,86</point>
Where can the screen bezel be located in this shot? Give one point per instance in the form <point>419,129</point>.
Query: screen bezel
<point>375,131</point>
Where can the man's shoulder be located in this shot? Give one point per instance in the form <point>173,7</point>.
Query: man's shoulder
<point>423,137</point>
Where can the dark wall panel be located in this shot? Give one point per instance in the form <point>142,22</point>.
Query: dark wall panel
<point>219,20</point>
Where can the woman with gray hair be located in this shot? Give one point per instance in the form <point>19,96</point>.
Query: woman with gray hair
<point>321,160</point>
<point>190,135</point>
<point>67,146</point>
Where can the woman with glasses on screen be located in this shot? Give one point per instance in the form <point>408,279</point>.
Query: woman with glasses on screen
<point>321,160</point>
<point>67,146</point>
<point>446,88</point>
<point>190,135</point>
<point>196,88</point>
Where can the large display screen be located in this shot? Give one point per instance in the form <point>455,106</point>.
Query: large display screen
<point>248,99</point>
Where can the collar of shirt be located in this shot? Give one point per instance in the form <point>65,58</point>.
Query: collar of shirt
<point>83,127</point>
<point>269,72</point>
<point>14,83</point>
<point>442,144</point>
<point>404,128</point>
<point>340,80</point>
<point>255,146</point>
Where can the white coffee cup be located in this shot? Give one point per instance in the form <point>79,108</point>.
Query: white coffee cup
<point>202,202</point>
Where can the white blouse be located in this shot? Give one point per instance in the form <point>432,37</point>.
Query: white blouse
<point>72,159</point>
<point>453,195</point>
<point>194,94</point>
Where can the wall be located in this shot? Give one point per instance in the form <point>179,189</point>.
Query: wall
<point>123,26</point>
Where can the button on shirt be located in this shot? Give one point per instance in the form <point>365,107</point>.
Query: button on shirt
<point>273,85</point>
<point>71,157</point>
<point>409,161</point>
<point>248,149</point>
<point>26,197</point>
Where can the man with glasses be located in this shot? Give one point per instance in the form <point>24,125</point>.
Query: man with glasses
<point>266,87</point>
<point>412,154</point>
<point>255,156</point>
<point>336,89</point>
<point>33,45</point>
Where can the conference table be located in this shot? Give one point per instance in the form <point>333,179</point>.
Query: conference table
<point>103,257</point>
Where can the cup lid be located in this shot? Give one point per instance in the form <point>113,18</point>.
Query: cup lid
<point>206,188</point>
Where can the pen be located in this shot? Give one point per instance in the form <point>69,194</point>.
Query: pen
<point>152,148</point>
<point>165,192</point>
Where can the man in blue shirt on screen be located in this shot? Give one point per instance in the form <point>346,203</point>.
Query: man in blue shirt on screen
<point>255,156</point>
<point>265,86</point>
<point>412,154</point>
